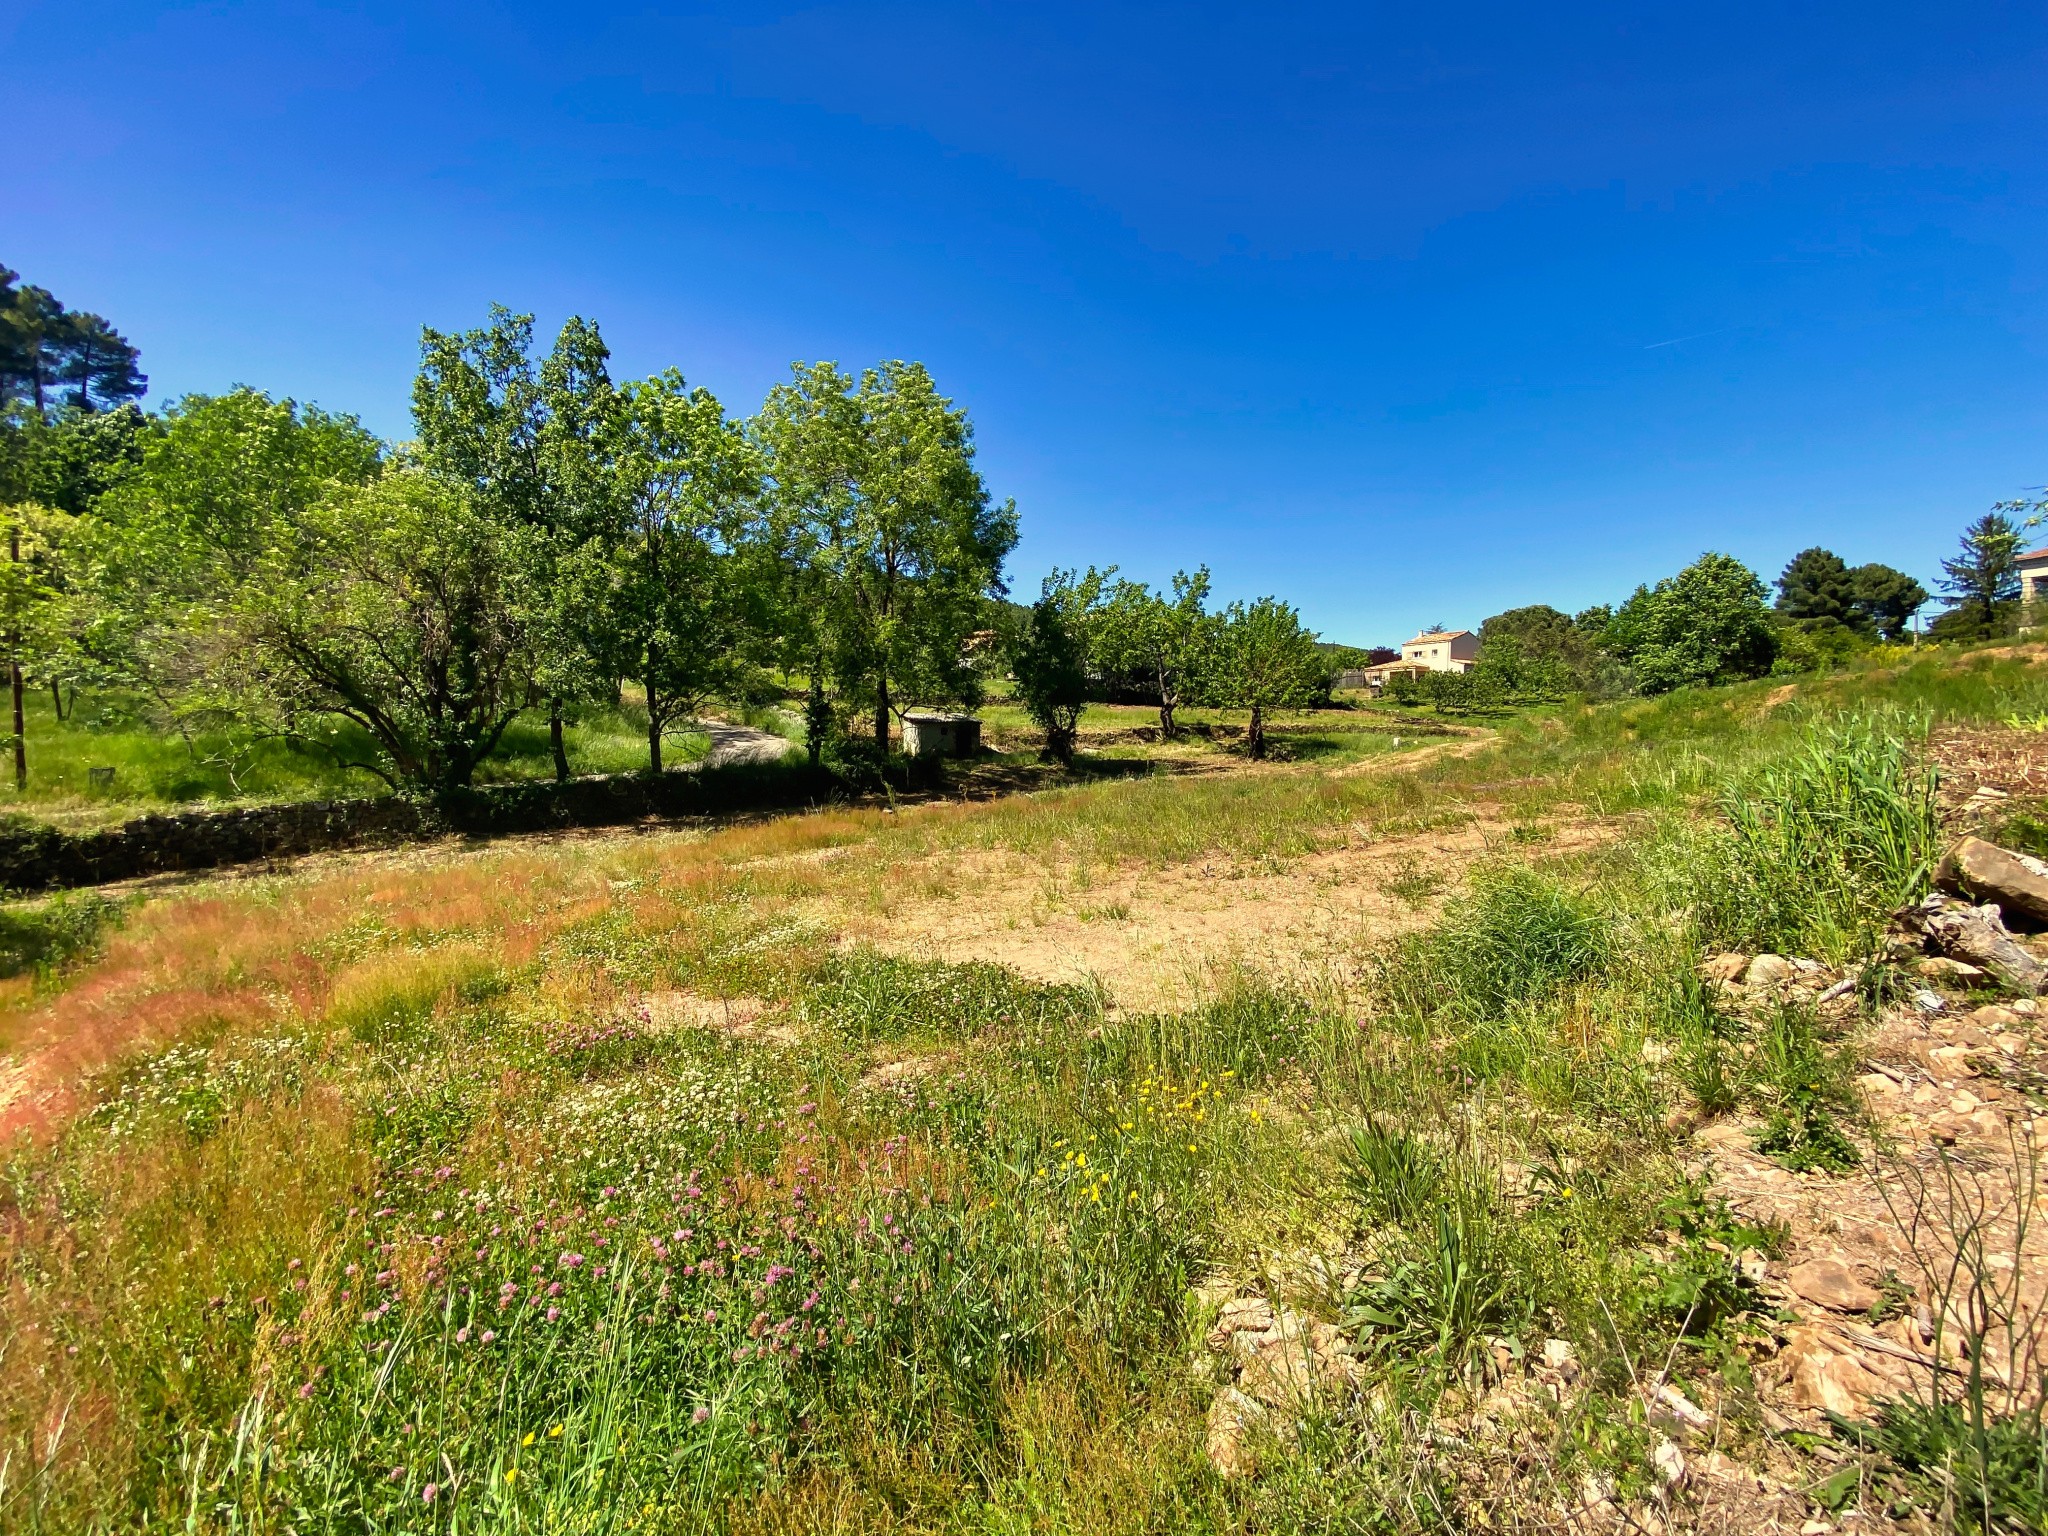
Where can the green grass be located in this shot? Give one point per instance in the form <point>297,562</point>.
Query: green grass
<point>156,771</point>
<point>427,1217</point>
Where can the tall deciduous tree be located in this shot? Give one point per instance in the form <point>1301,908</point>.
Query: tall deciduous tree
<point>1262,660</point>
<point>1707,624</point>
<point>530,441</point>
<point>391,604</point>
<point>222,482</point>
<point>30,586</point>
<point>1050,656</point>
<point>1146,633</point>
<point>876,496</point>
<point>678,595</point>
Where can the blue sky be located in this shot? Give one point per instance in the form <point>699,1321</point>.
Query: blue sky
<point>1403,313</point>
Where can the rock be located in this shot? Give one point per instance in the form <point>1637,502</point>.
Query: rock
<point>1976,935</point>
<point>1675,1405</point>
<point>1754,1265</point>
<point>1728,967</point>
<point>1669,1461</point>
<point>1295,1363</point>
<point>1242,1314</point>
<point>1982,872</point>
<point>1767,971</point>
<point>1821,1376</point>
<point>1929,1002</point>
<point>1995,1018</point>
<point>1941,968</point>
<point>1558,1354</point>
<point>1231,1418</point>
<point>1828,1282</point>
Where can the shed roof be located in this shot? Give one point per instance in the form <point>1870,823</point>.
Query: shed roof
<point>1438,634</point>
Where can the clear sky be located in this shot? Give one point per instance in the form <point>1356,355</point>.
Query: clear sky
<point>1405,313</point>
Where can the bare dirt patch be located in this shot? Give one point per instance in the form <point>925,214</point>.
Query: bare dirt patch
<point>744,1018</point>
<point>1158,938</point>
<point>1988,763</point>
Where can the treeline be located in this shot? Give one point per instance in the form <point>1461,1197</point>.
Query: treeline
<point>548,534</point>
<point>1092,637</point>
<point>1718,622</point>
<point>551,537</point>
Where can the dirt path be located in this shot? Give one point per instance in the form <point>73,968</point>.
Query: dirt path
<point>735,744</point>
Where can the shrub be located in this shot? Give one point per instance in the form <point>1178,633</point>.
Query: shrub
<point>52,934</point>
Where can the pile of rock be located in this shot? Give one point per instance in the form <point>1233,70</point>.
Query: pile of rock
<point>1281,1365</point>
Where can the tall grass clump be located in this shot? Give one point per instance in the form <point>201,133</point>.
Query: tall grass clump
<point>1825,842</point>
<point>1517,937</point>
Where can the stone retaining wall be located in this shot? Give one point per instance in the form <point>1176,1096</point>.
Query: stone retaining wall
<point>43,858</point>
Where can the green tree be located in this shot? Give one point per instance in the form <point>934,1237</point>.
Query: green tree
<point>30,588</point>
<point>533,443</point>
<point>83,455</point>
<point>1533,652</point>
<point>390,604</point>
<point>1050,656</point>
<point>222,482</point>
<point>1263,660</point>
<point>677,595</point>
<point>1982,582</point>
<point>877,499</point>
<point>34,344</point>
<point>1817,585</point>
<point>1887,599</point>
<point>1145,633</point>
<point>1707,624</point>
<point>99,364</point>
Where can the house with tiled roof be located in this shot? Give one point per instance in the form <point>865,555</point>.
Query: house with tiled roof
<point>1434,650</point>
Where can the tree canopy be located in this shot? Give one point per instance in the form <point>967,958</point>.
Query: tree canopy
<point>1707,624</point>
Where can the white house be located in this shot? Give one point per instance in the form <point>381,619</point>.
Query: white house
<point>1437,650</point>
<point>1446,650</point>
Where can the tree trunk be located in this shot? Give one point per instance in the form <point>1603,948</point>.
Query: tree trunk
<point>57,699</point>
<point>814,716</point>
<point>555,740</point>
<point>1255,733</point>
<point>882,715</point>
<point>14,673</point>
<point>653,727</point>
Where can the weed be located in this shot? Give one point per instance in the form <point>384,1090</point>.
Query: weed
<point>1804,1084</point>
<point>1395,1176</point>
<point>1826,842</point>
<point>1516,937</point>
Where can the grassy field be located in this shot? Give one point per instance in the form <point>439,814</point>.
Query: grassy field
<point>157,771</point>
<point>841,1173</point>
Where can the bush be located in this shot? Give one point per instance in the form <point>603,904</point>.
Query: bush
<point>48,936</point>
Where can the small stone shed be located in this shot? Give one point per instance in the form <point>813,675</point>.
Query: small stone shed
<point>929,734</point>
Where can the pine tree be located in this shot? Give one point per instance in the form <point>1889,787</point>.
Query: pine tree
<point>1983,582</point>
